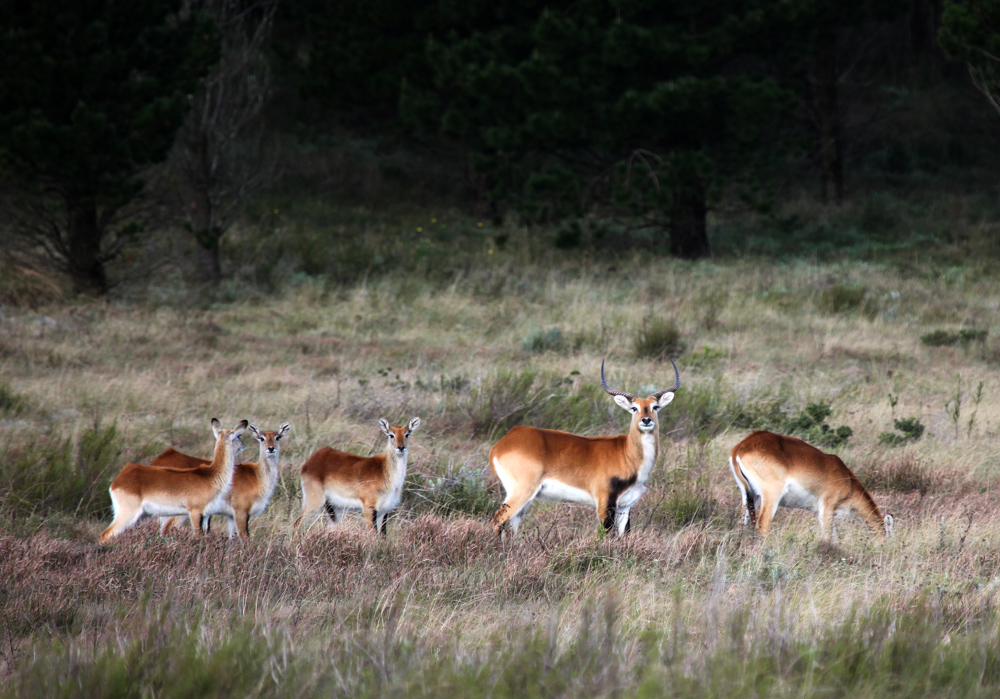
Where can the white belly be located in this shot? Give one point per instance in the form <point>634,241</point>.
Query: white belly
<point>343,502</point>
<point>794,495</point>
<point>556,491</point>
<point>155,509</point>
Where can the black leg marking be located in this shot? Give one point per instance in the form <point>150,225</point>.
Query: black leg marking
<point>375,520</point>
<point>330,512</point>
<point>628,524</point>
<point>617,487</point>
<point>385,523</point>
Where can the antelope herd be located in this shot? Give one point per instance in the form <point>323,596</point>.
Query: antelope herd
<point>607,473</point>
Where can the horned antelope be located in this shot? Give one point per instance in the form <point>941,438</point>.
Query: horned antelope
<point>338,481</point>
<point>772,470</point>
<point>158,491</point>
<point>608,473</point>
<point>253,483</point>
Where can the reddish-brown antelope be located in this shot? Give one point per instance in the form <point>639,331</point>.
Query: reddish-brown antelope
<point>608,473</point>
<point>253,483</point>
<point>774,471</point>
<point>162,492</point>
<point>338,481</point>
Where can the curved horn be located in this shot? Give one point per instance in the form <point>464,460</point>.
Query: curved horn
<point>677,383</point>
<point>612,391</point>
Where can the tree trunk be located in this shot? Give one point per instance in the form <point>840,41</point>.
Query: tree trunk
<point>86,268</point>
<point>210,261</point>
<point>830,152</point>
<point>208,236</point>
<point>689,225</point>
<point>926,54</point>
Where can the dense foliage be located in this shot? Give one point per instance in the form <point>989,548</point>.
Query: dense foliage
<point>91,91</point>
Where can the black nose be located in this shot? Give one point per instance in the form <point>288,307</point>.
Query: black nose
<point>647,421</point>
<point>271,450</point>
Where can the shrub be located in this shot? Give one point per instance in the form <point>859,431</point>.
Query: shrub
<point>905,475</point>
<point>550,340</point>
<point>11,402</point>
<point>810,424</point>
<point>912,430</point>
<point>964,337</point>
<point>842,298</point>
<point>659,338</point>
<point>465,492</point>
<point>687,501</point>
<point>49,475</point>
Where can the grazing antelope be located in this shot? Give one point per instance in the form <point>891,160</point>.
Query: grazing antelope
<point>772,470</point>
<point>158,491</point>
<point>253,483</point>
<point>608,473</point>
<point>338,481</point>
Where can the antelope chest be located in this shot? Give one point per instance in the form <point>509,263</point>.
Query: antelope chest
<point>393,494</point>
<point>630,497</point>
<point>261,503</point>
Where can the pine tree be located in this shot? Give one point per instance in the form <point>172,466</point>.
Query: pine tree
<point>91,92</point>
<point>635,106</point>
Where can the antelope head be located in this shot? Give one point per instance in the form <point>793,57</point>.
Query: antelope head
<point>269,438</point>
<point>643,410</point>
<point>398,435</point>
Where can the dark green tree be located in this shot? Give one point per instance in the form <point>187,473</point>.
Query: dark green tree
<point>823,30</point>
<point>646,108</point>
<point>91,93</point>
<point>970,31</point>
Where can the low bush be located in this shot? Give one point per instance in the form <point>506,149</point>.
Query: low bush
<point>810,424</point>
<point>464,492</point>
<point>902,475</point>
<point>11,402</point>
<point>49,475</point>
<point>965,337</point>
<point>658,338</point>
<point>910,430</point>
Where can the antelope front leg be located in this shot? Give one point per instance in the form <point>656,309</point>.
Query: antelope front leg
<point>383,520</point>
<point>196,521</point>
<point>371,517</point>
<point>623,521</point>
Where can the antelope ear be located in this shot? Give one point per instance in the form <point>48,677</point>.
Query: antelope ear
<point>624,402</point>
<point>283,430</point>
<point>663,402</point>
<point>255,432</point>
<point>238,430</point>
<point>384,425</point>
<point>414,424</point>
<point>216,426</point>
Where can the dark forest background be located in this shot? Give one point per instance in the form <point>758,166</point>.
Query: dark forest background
<point>232,141</point>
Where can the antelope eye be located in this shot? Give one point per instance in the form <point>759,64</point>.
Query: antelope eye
<point>635,409</point>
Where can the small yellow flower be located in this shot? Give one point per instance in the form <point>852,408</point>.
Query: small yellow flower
<point>434,220</point>
<point>420,229</point>
<point>480,224</point>
<point>275,211</point>
<point>491,251</point>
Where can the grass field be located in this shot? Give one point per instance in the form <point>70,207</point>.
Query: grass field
<point>690,604</point>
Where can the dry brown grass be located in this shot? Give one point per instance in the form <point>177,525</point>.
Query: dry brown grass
<point>332,364</point>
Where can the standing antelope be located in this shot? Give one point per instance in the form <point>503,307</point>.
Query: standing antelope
<point>608,473</point>
<point>253,483</point>
<point>338,481</point>
<point>158,491</point>
<point>772,470</point>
